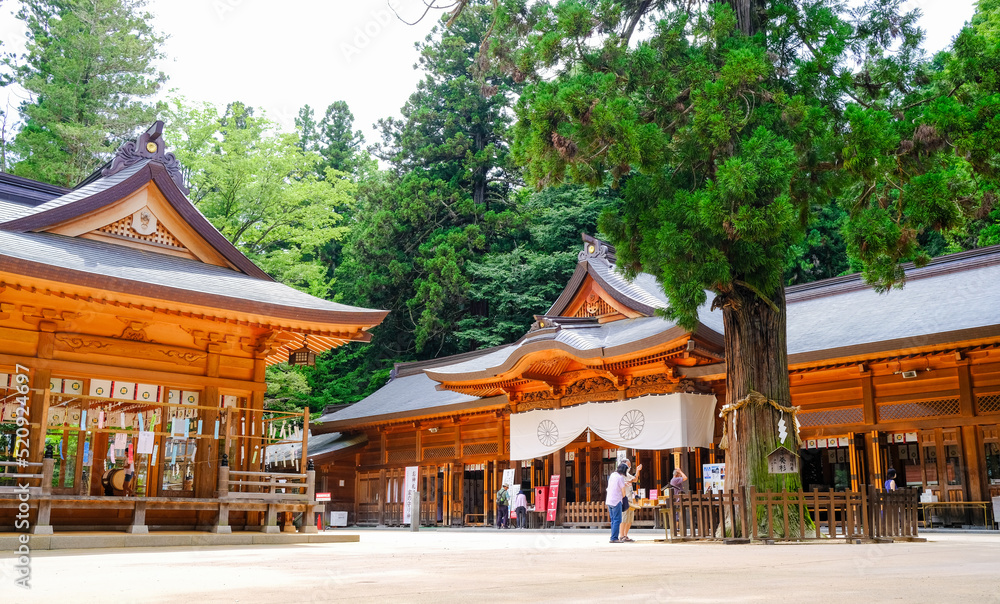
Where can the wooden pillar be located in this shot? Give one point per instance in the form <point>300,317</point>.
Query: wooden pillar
<point>206,457</point>
<point>972,445</point>
<point>382,490</point>
<point>98,453</point>
<point>975,472</point>
<point>39,402</point>
<point>868,398</point>
<point>872,443</point>
<point>855,441</point>
<point>967,406</point>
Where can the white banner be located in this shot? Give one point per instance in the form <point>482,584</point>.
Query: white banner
<point>508,479</point>
<point>654,422</point>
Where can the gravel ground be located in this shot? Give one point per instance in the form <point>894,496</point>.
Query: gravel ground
<point>530,566</point>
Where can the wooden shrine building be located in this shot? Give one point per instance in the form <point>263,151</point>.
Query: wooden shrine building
<point>909,380</point>
<point>130,328</point>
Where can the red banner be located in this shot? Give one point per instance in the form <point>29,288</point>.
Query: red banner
<point>550,512</point>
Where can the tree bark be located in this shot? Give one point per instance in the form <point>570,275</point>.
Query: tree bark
<point>750,14</point>
<point>756,360</point>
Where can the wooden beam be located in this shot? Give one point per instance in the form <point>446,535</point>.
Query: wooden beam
<point>175,380</point>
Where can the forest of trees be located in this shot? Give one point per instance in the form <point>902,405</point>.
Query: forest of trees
<point>733,147</point>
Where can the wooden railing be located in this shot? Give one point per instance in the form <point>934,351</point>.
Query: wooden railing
<point>791,515</point>
<point>594,514</point>
<point>42,479</point>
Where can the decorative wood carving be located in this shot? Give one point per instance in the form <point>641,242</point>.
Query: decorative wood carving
<point>150,145</point>
<point>537,404</point>
<point>135,331</point>
<point>591,389</point>
<point>82,343</point>
<point>662,383</point>
<point>127,349</point>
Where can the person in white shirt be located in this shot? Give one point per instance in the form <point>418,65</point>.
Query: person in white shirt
<point>616,492</point>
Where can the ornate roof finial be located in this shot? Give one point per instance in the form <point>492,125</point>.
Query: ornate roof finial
<point>150,145</point>
<point>595,248</point>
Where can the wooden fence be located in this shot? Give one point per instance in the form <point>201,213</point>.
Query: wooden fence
<point>791,515</point>
<point>594,514</point>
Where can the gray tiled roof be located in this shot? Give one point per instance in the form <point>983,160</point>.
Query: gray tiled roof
<point>83,192</point>
<point>408,395</point>
<point>591,339</point>
<point>10,210</point>
<point>927,305</point>
<point>142,267</point>
<point>643,289</point>
<point>319,444</point>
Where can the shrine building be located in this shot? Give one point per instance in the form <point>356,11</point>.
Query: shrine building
<point>132,331</point>
<point>909,380</point>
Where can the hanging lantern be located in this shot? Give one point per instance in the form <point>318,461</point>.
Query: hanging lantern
<point>302,356</point>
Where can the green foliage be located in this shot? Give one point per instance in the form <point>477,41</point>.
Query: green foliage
<point>260,189</point>
<point>728,147</point>
<point>332,138</point>
<point>516,284</point>
<point>87,67</point>
<point>444,202</point>
<point>287,388</point>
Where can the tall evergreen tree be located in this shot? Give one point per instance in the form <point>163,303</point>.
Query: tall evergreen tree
<point>88,66</point>
<point>723,128</point>
<point>445,201</point>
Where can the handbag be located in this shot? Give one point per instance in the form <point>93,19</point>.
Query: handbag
<point>624,503</point>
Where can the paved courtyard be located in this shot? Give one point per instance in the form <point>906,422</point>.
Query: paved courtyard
<point>524,566</point>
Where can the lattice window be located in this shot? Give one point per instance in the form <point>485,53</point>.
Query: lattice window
<point>830,417</point>
<point>123,228</point>
<point>988,403</point>
<point>400,455</point>
<point>915,409</point>
<point>594,306</point>
<point>480,449</point>
<point>439,452</point>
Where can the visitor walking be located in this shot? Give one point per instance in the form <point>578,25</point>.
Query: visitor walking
<point>503,508</point>
<point>616,492</point>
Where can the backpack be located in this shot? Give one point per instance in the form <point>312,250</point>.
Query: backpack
<point>502,497</point>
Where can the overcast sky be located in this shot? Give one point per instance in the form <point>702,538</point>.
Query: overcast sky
<point>282,55</point>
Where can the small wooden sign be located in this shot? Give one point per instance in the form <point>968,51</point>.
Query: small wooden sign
<point>782,461</point>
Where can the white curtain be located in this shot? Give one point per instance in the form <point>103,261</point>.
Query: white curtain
<point>659,421</point>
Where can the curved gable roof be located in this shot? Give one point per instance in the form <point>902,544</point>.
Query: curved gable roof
<point>102,192</point>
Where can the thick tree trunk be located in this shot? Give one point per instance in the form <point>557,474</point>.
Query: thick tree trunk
<point>757,360</point>
<point>750,14</point>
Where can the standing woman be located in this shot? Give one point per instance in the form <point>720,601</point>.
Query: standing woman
<point>616,492</point>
